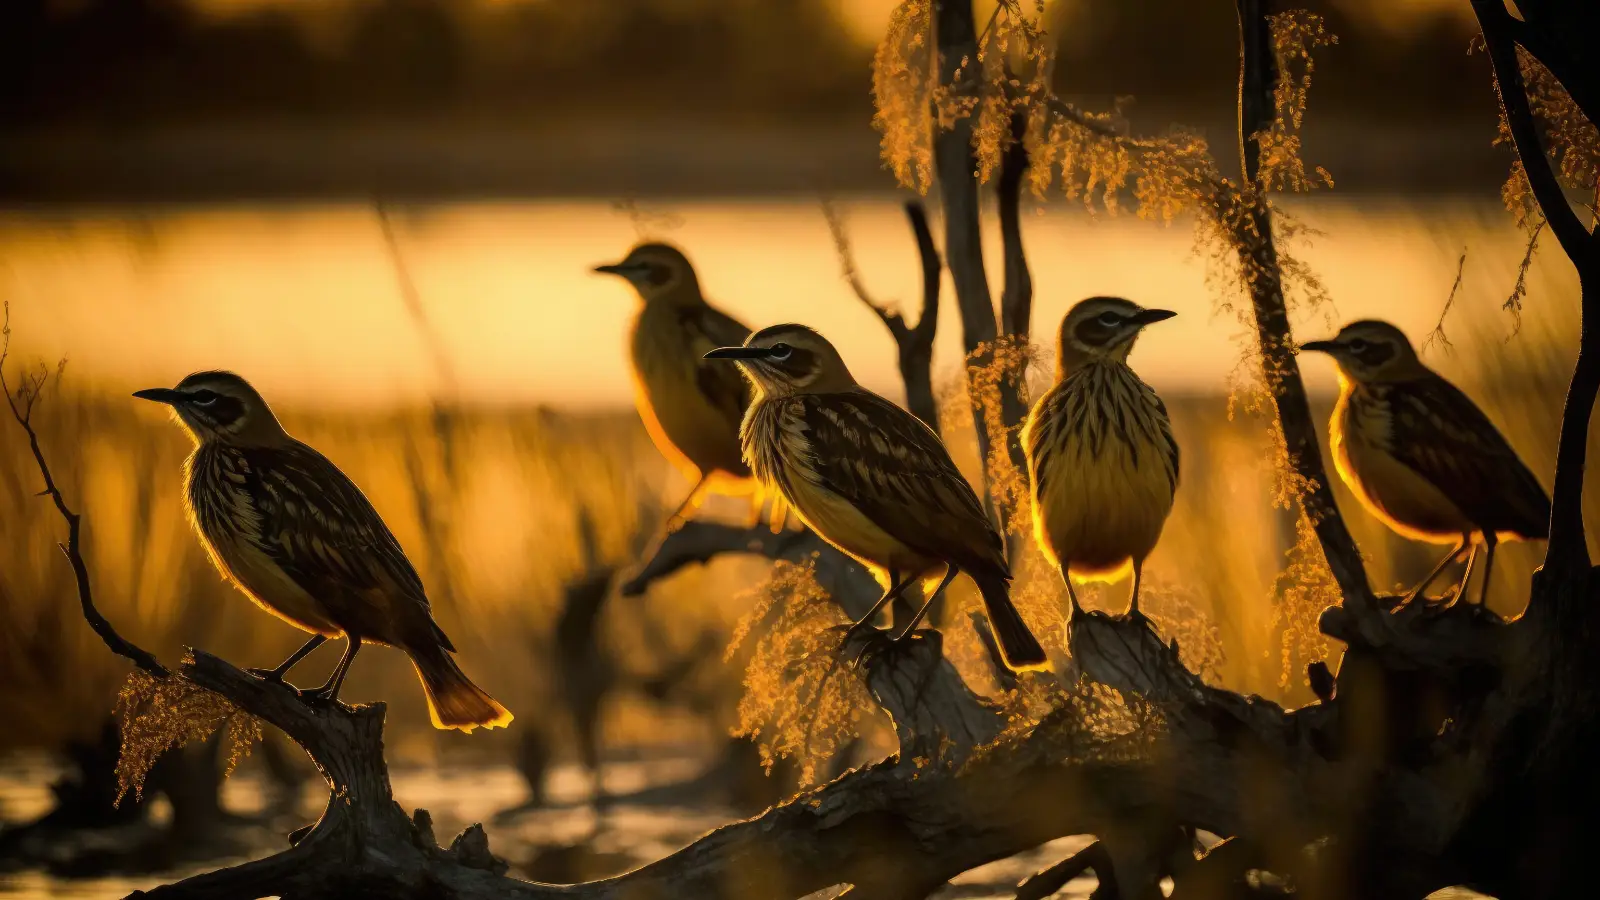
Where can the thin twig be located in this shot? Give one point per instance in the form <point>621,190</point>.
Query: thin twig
<point>23,402</point>
<point>1513,304</point>
<point>1437,335</point>
<point>891,317</point>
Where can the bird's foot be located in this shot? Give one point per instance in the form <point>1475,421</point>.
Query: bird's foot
<point>322,696</point>
<point>272,675</point>
<point>886,646</point>
<point>871,638</point>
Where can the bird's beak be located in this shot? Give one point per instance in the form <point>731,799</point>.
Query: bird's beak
<point>740,353</point>
<point>1319,346</point>
<point>162,395</point>
<point>619,268</point>
<point>1151,316</point>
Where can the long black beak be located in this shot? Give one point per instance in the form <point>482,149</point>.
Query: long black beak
<point>740,353</point>
<point>162,395</point>
<point>1319,346</point>
<point>623,269</point>
<point>1151,316</point>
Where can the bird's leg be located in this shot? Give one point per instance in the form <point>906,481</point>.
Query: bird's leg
<point>330,691</point>
<point>284,667</point>
<point>1138,576</point>
<point>1466,576</point>
<point>1489,540</point>
<point>950,573</point>
<point>1433,576</point>
<point>689,504</point>
<point>1072,594</point>
<point>896,585</point>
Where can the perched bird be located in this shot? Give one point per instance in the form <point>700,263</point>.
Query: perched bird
<point>1421,456</point>
<point>692,408</point>
<point>300,539</point>
<point>1102,462</point>
<point>870,478</point>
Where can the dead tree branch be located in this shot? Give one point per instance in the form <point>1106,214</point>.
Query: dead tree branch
<point>913,344</point>
<point>1258,78</point>
<point>1567,549</point>
<point>23,402</point>
<point>958,71</point>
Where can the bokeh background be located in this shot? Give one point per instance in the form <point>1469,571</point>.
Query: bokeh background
<point>384,213</point>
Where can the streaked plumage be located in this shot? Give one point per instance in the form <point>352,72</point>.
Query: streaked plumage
<point>1420,455</point>
<point>691,406</point>
<point>1102,462</point>
<point>297,536</point>
<point>870,478</point>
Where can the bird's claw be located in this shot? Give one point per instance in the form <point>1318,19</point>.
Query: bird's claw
<point>318,696</point>
<point>871,637</point>
<point>270,675</point>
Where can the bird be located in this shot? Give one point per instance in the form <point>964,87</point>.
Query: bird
<point>294,533</point>
<point>871,479</point>
<point>691,408</point>
<point>1422,457</point>
<point>1102,461</point>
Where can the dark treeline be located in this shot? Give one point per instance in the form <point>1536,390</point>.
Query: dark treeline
<point>162,61</point>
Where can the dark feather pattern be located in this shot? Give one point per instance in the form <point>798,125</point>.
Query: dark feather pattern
<point>1096,404</point>
<point>1439,433</point>
<point>895,471</point>
<point>310,519</point>
<point>722,385</point>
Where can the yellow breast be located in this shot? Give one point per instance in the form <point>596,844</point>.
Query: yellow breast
<point>1102,490</point>
<point>777,451</point>
<point>1392,491</point>
<point>687,429</point>
<point>224,519</point>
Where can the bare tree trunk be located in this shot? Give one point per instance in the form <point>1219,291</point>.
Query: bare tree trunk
<point>957,42</point>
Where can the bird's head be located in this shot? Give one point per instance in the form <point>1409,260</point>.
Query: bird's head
<point>656,271</point>
<point>789,359</point>
<point>1102,328</point>
<point>1371,351</point>
<point>221,407</point>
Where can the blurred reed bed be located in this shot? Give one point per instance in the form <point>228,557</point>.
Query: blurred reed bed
<point>485,501</point>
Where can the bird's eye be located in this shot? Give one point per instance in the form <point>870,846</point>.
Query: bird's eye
<point>781,351</point>
<point>1358,346</point>
<point>1110,319</point>
<point>203,398</point>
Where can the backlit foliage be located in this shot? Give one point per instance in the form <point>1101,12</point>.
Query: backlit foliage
<point>993,370</point>
<point>801,700</point>
<point>159,714</point>
<point>1573,145</point>
<point>1084,721</point>
<point>1093,157</point>
<point>1179,614</point>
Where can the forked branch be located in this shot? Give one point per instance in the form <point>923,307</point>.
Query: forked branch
<point>22,402</point>
<point>913,344</point>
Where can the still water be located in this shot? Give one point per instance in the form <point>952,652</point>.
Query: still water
<point>307,300</point>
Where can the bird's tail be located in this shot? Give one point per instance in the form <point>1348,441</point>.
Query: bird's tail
<point>453,700</point>
<point>1020,648</point>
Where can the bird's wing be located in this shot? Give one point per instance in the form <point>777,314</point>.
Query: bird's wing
<point>897,472</point>
<point>722,385</point>
<point>321,529</point>
<point>1438,432</point>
